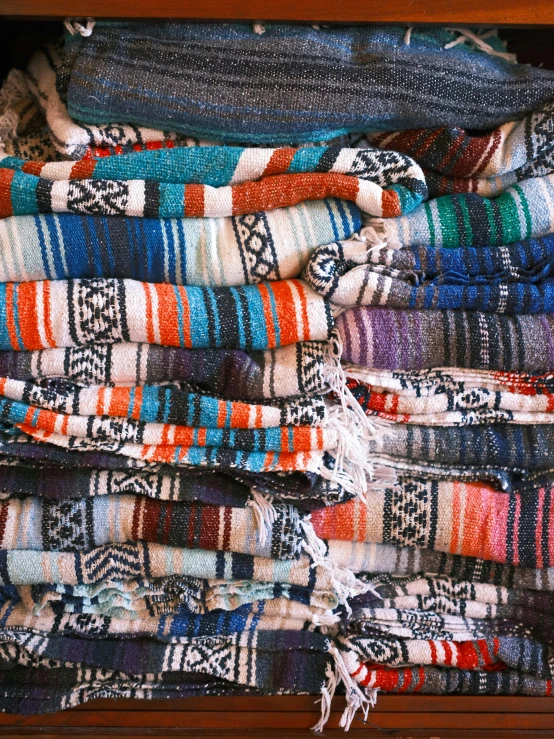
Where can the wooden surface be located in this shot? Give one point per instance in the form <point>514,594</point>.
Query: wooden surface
<point>453,12</point>
<point>430,717</point>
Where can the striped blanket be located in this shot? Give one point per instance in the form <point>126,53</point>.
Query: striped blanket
<point>510,446</point>
<point>219,251</point>
<point>212,182</point>
<point>523,654</point>
<point>457,160</point>
<point>269,97</point>
<point>451,397</point>
<point>429,607</point>
<point>147,560</point>
<point>272,661</point>
<point>132,599</point>
<point>80,525</point>
<point>471,519</point>
<point>139,476</point>
<point>274,615</point>
<point>42,315</point>
<point>511,279</point>
<point>523,211</point>
<point>25,194</point>
<point>385,338</point>
<point>164,405</point>
<point>296,369</point>
<point>394,560</point>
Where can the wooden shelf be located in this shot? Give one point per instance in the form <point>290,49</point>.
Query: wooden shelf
<point>418,717</point>
<point>452,12</point>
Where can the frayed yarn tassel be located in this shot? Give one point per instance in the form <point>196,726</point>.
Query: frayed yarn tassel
<point>354,428</point>
<point>264,514</point>
<point>73,26</point>
<point>258,28</point>
<point>479,42</point>
<point>356,699</point>
<point>327,694</point>
<point>12,91</point>
<point>382,230</point>
<point>345,583</point>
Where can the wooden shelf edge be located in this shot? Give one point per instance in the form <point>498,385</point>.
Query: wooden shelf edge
<point>404,12</point>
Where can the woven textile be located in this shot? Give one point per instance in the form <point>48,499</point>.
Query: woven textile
<point>384,338</point>
<point>271,97</point>
<point>212,182</point>
<point>523,211</point>
<point>140,559</point>
<point>296,369</point>
<point>80,525</point>
<point>26,690</point>
<point>512,279</point>
<point>437,681</point>
<point>510,446</point>
<point>41,315</point>
<point>456,160</point>
<point>259,616</point>
<point>459,518</point>
<point>393,560</point>
<point>164,405</point>
<point>221,251</point>
<point>525,655</point>
<point>133,599</point>
<point>273,661</point>
<point>25,194</point>
<point>452,397</point>
<point>441,608</point>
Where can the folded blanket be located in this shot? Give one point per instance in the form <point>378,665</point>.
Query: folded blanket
<point>273,661</point>
<point>455,517</point>
<point>523,211</point>
<point>140,559</point>
<point>384,338</point>
<point>80,525</point>
<point>270,98</point>
<point>453,397</point>
<point>274,615</point>
<point>296,369</point>
<point>220,251</point>
<point>523,654</point>
<point>212,182</point>
<point>509,279</point>
<point>41,315</point>
<point>450,609</point>
<point>27,690</point>
<point>510,446</point>
<point>146,406</point>
<point>452,681</point>
<point>105,471</point>
<point>393,560</point>
<point>458,160</point>
<point>132,599</point>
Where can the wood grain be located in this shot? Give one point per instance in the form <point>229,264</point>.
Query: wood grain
<point>453,12</point>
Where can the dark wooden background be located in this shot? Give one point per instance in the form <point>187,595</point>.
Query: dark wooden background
<point>397,716</point>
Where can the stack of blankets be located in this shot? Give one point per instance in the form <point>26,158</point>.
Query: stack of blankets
<point>276,365</point>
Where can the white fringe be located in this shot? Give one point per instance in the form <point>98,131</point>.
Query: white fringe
<point>354,428</point>
<point>73,26</point>
<point>258,28</point>
<point>12,91</point>
<point>345,583</point>
<point>264,514</point>
<point>355,698</point>
<point>478,41</point>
